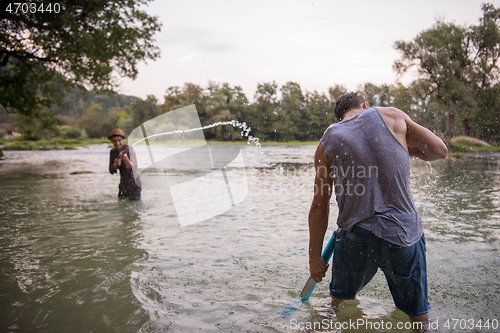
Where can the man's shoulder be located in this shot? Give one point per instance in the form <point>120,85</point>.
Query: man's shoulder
<point>396,120</point>
<point>391,112</point>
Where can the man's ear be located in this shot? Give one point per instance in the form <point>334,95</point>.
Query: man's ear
<point>365,105</point>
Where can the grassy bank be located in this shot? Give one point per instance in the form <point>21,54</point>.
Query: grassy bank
<point>462,148</point>
<point>455,148</point>
<point>53,144</point>
<point>60,143</point>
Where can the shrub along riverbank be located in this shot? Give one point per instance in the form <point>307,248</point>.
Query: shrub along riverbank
<point>462,145</point>
<point>52,144</point>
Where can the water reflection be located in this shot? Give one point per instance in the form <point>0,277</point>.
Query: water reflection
<point>66,253</point>
<point>459,199</point>
<point>74,258</point>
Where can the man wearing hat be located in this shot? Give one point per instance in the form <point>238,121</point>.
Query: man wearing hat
<point>123,158</point>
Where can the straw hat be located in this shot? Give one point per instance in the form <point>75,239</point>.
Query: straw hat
<point>116,132</point>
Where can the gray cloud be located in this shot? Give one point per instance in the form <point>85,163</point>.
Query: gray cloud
<point>199,40</point>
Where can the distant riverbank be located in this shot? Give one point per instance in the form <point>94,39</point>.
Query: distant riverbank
<point>455,147</point>
<point>68,144</point>
<point>53,144</point>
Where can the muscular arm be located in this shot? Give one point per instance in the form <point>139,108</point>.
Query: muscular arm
<point>422,143</point>
<point>318,214</point>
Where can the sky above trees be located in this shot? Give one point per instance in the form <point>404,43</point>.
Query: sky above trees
<point>316,43</point>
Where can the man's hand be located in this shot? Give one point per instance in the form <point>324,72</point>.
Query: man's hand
<point>317,268</point>
<point>127,161</point>
<point>117,162</point>
<point>118,159</point>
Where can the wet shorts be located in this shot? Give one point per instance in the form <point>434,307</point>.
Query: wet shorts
<point>134,195</point>
<point>359,254</point>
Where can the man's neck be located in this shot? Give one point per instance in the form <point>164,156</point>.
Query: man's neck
<point>352,113</point>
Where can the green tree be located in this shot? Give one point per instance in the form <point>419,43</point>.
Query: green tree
<point>125,122</point>
<point>336,91</point>
<point>425,107</point>
<point>143,110</point>
<point>440,54</point>
<point>457,64</point>
<point>176,98</point>
<point>291,112</point>
<point>485,121</point>
<point>93,121</point>
<point>78,42</point>
<point>43,126</point>
<point>222,103</point>
<point>318,115</point>
<point>484,118</point>
<point>264,114</point>
<point>377,95</point>
<point>402,98</point>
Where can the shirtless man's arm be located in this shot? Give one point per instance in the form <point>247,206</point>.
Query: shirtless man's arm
<point>419,141</point>
<point>318,214</point>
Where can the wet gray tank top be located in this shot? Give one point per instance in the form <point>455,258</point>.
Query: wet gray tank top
<point>371,173</point>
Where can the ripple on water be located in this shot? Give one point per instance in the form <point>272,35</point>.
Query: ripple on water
<point>74,257</point>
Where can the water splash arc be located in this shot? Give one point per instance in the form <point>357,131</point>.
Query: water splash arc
<point>245,131</point>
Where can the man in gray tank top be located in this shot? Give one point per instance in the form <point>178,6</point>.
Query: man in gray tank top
<point>364,161</point>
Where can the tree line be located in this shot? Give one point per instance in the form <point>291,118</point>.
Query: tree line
<point>458,74</point>
<point>277,113</point>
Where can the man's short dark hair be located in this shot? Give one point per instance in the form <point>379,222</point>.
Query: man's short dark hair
<point>347,102</point>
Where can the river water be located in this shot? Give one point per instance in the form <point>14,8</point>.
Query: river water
<point>76,259</point>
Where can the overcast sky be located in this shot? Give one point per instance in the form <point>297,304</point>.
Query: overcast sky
<point>316,43</point>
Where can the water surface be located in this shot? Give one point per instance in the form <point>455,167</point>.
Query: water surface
<point>74,258</point>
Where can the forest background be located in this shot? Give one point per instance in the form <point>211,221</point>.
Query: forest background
<point>457,92</point>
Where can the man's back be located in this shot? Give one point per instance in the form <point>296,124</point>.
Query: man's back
<point>359,252</point>
<point>371,170</point>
